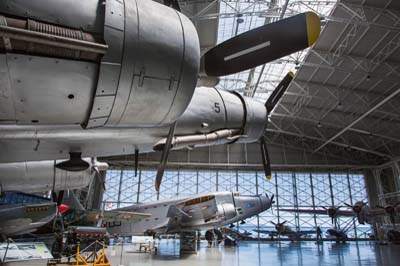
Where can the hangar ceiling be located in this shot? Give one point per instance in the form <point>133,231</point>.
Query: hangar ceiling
<point>341,108</point>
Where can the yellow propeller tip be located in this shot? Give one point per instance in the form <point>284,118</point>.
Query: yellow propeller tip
<point>268,177</point>
<point>291,74</point>
<point>313,22</point>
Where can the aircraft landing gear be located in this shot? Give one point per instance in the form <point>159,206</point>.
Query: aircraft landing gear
<point>214,236</point>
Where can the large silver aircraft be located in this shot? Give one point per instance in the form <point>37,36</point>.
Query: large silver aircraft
<point>200,212</point>
<point>98,78</point>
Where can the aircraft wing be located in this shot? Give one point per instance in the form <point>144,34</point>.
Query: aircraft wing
<point>347,213</point>
<point>320,212</point>
<point>307,232</point>
<point>268,232</point>
<point>375,212</point>
<point>311,211</point>
<point>117,216</point>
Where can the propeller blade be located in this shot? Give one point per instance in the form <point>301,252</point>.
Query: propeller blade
<point>98,177</point>
<point>348,205</point>
<point>136,161</point>
<point>278,92</point>
<point>271,199</point>
<point>265,159</point>
<point>262,45</point>
<point>283,222</point>
<point>164,157</point>
<point>272,223</point>
<point>60,197</point>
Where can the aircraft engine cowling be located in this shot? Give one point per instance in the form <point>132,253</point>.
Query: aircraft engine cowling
<point>41,176</point>
<point>212,110</point>
<point>96,63</point>
<point>227,211</point>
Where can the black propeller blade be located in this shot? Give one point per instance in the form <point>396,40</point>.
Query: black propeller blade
<point>262,45</point>
<point>58,199</point>
<point>270,104</point>
<point>164,157</point>
<point>265,158</point>
<point>136,161</point>
<point>278,92</point>
<point>271,199</point>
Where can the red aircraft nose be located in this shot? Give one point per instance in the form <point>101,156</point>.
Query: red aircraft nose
<point>63,208</point>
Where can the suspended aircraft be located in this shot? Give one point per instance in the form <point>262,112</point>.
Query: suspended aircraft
<point>199,212</point>
<point>101,78</point>
<point>361,210</point>
<point>284,230</point>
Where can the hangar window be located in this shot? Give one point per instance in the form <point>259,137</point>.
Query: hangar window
<point>303,190</point>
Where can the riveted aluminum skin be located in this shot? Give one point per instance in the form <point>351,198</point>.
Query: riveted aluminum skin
<point>41,176</point>
<point>256,120</point>
<point>45,90</point>
<point>166,64</point>
<point>146,78</point>
<point>218,109</point>
<point>87,15</point>
<point>110,65</point>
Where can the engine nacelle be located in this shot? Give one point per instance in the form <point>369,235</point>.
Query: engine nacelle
<point>40,176</point>
<point>212,110</point>
<point>146,76</point>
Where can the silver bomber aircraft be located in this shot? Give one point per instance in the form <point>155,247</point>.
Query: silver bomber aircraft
<point>200,212</point>
<point>99,78</point>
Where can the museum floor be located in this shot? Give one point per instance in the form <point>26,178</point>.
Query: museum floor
<point>251,254</point>
<point>268,254</point>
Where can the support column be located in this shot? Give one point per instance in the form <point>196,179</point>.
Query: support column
<point>351,203</point>
<point>277,197</point>
<point>138,188</point>
<point>258,215</point>
<point>313,199</point>
<point>295,201</point>
<point>120,188</point>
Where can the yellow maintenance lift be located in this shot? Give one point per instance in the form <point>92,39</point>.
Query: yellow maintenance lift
<point>91,260</point>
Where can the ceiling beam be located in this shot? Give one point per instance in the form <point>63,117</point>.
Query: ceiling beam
<point>332,125</point>
<point>395,93</point>
<point>332,142</point>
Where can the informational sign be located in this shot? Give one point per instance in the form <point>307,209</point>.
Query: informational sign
<point>18,251</point>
